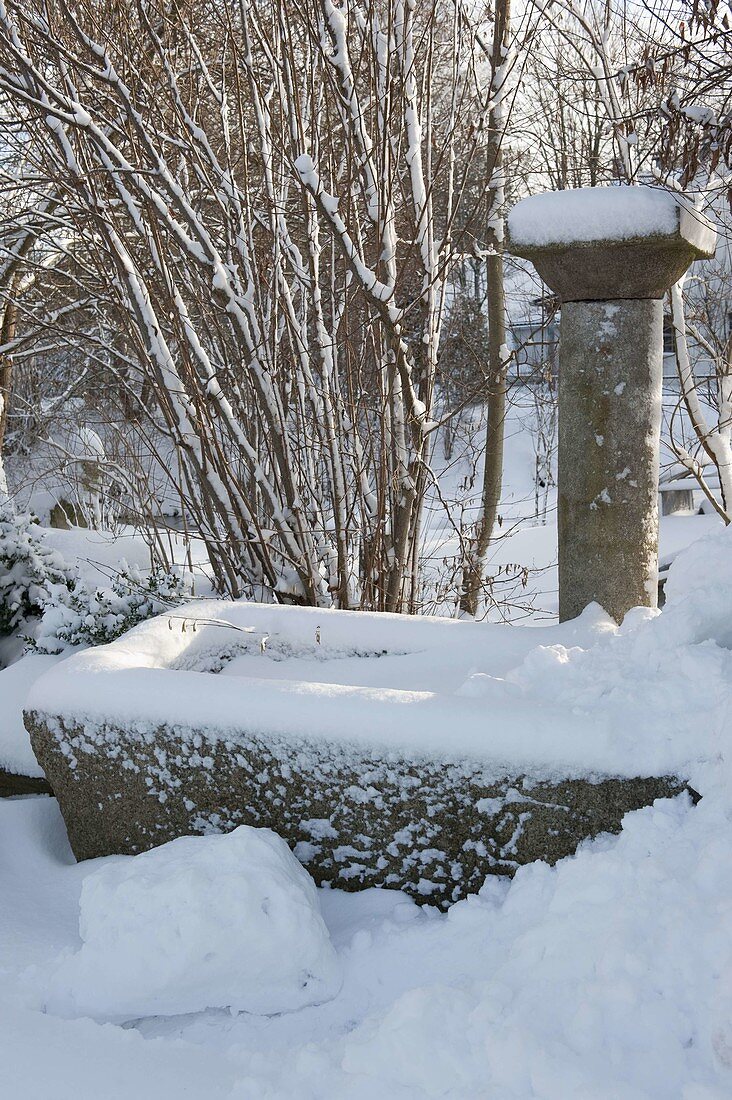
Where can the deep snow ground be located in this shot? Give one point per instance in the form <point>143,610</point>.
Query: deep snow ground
<point>608,977</point>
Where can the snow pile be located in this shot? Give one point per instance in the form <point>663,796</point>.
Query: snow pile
<point>593,214</point>
<point>229,921</point>
<point>657,686</point>
<point>608,976</point>
<point>16,754</point>
<point>699,594</point>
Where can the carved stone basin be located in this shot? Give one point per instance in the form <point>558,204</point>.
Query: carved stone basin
<point>371,785</point>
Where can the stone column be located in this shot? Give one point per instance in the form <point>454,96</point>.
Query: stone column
<point>609,254</point>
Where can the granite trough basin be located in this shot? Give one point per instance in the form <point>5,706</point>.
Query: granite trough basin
<point>361,740</point>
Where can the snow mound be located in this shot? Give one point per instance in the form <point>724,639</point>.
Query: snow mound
<point>699,593</point>
<point>16,754</point>
<point>224,921</point>
<point>593,214</point>
<point>606,977</point>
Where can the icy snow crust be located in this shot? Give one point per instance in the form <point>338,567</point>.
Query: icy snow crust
<point>230,921</point>
<point>593,214</point>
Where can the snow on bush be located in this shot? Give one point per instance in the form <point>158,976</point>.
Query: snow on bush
<point>75,616</point>
<point>44,597</point>
<point>222,921</point>
<point>30,573</point>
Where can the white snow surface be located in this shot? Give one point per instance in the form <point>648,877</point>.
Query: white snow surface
<point>593,214</point>
<point>16,754</point>
<point>410,697</point>
<point>607,977</point>
<point>223,921</point>
<point>583,698</point>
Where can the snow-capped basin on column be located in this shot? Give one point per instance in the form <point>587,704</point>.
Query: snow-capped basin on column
<point>385,749</point>
<point>609,254</point>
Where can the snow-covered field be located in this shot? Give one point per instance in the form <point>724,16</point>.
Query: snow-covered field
<point>608,976</point>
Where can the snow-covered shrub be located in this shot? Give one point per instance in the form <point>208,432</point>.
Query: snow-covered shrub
<point>222,921</point>
<point>80,617</point>
<point>31,573</point>
<point>44,598</point>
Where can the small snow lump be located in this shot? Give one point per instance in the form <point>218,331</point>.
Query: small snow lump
<point>222,921</point>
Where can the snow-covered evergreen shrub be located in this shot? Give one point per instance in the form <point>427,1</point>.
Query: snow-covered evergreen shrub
<point>31,573</point>
<point>44,598</point>
<point>79,617</point>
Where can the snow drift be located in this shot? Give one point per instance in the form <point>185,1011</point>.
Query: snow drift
<point>228,921</point>
<point>607,976</point>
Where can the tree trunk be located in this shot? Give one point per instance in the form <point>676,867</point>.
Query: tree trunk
<point>497,364</point>
<point>7,333</point>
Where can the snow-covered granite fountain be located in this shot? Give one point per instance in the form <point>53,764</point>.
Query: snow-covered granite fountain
<point>385,749</point>
<point>609,254</point>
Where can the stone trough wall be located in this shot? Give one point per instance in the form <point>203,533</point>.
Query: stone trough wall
<point>12,785</point>
<point>355,817</point>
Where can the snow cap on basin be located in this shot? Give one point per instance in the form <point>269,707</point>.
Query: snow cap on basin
<point>602,243</point>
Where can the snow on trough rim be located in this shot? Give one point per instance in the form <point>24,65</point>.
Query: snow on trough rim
<point>594,214</point>
<point>131,681</point>
<point>545,701</point>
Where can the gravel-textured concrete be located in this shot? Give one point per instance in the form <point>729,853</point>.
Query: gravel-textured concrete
<point>434,828</point>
